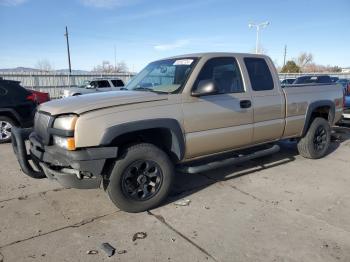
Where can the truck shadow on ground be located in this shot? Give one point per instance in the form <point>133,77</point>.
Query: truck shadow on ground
<point>188,184</point>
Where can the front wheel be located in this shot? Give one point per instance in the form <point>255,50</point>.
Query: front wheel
<point>141,178</point>
<point>316,142</point>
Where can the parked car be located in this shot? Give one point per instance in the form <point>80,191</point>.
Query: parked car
<point>313,79</point>
<point>93,86</point>
<point>334,79</point>
<point>17,108</point>
<point>181,112</point>
<point>287,81</point>
<point>346,85</point>
<point>40,97</point>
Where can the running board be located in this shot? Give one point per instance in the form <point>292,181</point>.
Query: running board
<point>227,162</point>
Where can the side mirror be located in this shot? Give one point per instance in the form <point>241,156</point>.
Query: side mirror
<point>205,87</point>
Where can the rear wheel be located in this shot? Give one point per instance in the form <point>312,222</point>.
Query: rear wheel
<point>5,129</point>
<point>316,142</point>
<point>141,178</point>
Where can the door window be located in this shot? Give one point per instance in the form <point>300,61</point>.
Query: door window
<point>117,83</point>
<point>103,84</point>
<point>226,74</point>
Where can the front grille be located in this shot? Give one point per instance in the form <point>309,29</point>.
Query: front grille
<point>41,125</point>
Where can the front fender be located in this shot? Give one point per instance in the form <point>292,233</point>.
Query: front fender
<point>177,137</point>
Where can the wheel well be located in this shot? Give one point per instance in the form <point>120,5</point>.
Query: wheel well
<point>322,111</point>
<point>160,137</point>
<point>9,115</point>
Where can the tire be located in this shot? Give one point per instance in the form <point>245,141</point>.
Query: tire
<point>141,178</point>
<point>77,94</point>
<point>5,129</point>
<point>315,143</point>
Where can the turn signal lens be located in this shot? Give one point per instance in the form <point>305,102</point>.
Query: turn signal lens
<point>65,142</point>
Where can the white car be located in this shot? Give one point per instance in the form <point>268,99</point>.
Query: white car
<point>93,86</point>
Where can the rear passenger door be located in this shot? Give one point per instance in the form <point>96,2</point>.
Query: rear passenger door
<point>222,121</point>
<point>4,102</point>
<point>19,101</point>
<point>268,100</point>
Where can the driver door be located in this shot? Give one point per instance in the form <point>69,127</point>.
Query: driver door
<point>222,121</point>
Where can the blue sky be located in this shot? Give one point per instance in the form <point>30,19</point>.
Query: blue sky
<point>145,30</point>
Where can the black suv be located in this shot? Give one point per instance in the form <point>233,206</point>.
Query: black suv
<point>17,108</point>
<point>313,79</point>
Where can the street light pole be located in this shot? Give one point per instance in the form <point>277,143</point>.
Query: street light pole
<point>258,27</point>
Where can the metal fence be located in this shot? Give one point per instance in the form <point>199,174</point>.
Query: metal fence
<point>53,83</point>
<point>295,75</point>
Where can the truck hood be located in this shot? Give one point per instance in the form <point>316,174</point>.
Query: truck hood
<point>89,102</point>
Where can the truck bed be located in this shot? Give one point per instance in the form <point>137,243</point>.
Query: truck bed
<point>299,97</point>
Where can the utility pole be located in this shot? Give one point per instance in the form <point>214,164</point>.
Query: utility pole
<point>67,39</point>
<point>258,27</point>
<point>285,55</point>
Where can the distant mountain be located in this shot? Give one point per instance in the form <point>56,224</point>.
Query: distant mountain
<point>20,69</point>
<point>65,71</point>
<point>28,69</point>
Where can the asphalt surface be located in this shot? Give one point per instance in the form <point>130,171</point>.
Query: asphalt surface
<point>279,208</point>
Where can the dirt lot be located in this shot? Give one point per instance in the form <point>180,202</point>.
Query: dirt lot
<point>279,208</point>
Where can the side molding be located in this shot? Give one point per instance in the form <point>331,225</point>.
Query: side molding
<point>177,138</point>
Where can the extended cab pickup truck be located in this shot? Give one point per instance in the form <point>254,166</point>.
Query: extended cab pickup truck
<point>181,112</point>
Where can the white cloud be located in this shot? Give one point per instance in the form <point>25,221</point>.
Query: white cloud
<point>104,3</point>
<point>172,46</point>
<point>12,2</point>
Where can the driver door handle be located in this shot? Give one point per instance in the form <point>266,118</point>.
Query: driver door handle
<point>245,103</point>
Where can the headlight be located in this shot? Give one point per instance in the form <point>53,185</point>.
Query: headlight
<point>64,142</point>
<point>66,123</point>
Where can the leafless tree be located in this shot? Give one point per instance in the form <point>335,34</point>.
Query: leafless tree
<point>107,67</point>
<point>304,59</point>
<point>44,65</point>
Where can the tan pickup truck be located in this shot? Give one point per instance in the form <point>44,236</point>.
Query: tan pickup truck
<point>181,112</point>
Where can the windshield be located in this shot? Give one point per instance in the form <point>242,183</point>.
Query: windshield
<point>84,84</point>
<point>165,76</point>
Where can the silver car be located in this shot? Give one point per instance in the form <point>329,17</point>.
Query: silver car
<point>93,86</point>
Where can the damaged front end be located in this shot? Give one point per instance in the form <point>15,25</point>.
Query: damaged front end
<point>81,168</point>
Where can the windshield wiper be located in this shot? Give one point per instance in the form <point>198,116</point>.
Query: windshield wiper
<point>143,89</point>
<point>149,90</point>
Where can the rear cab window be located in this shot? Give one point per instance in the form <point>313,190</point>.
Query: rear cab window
<point>259,74</point>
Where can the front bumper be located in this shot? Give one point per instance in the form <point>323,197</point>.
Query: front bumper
<point>73,169</point>
<point>346,116</point>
